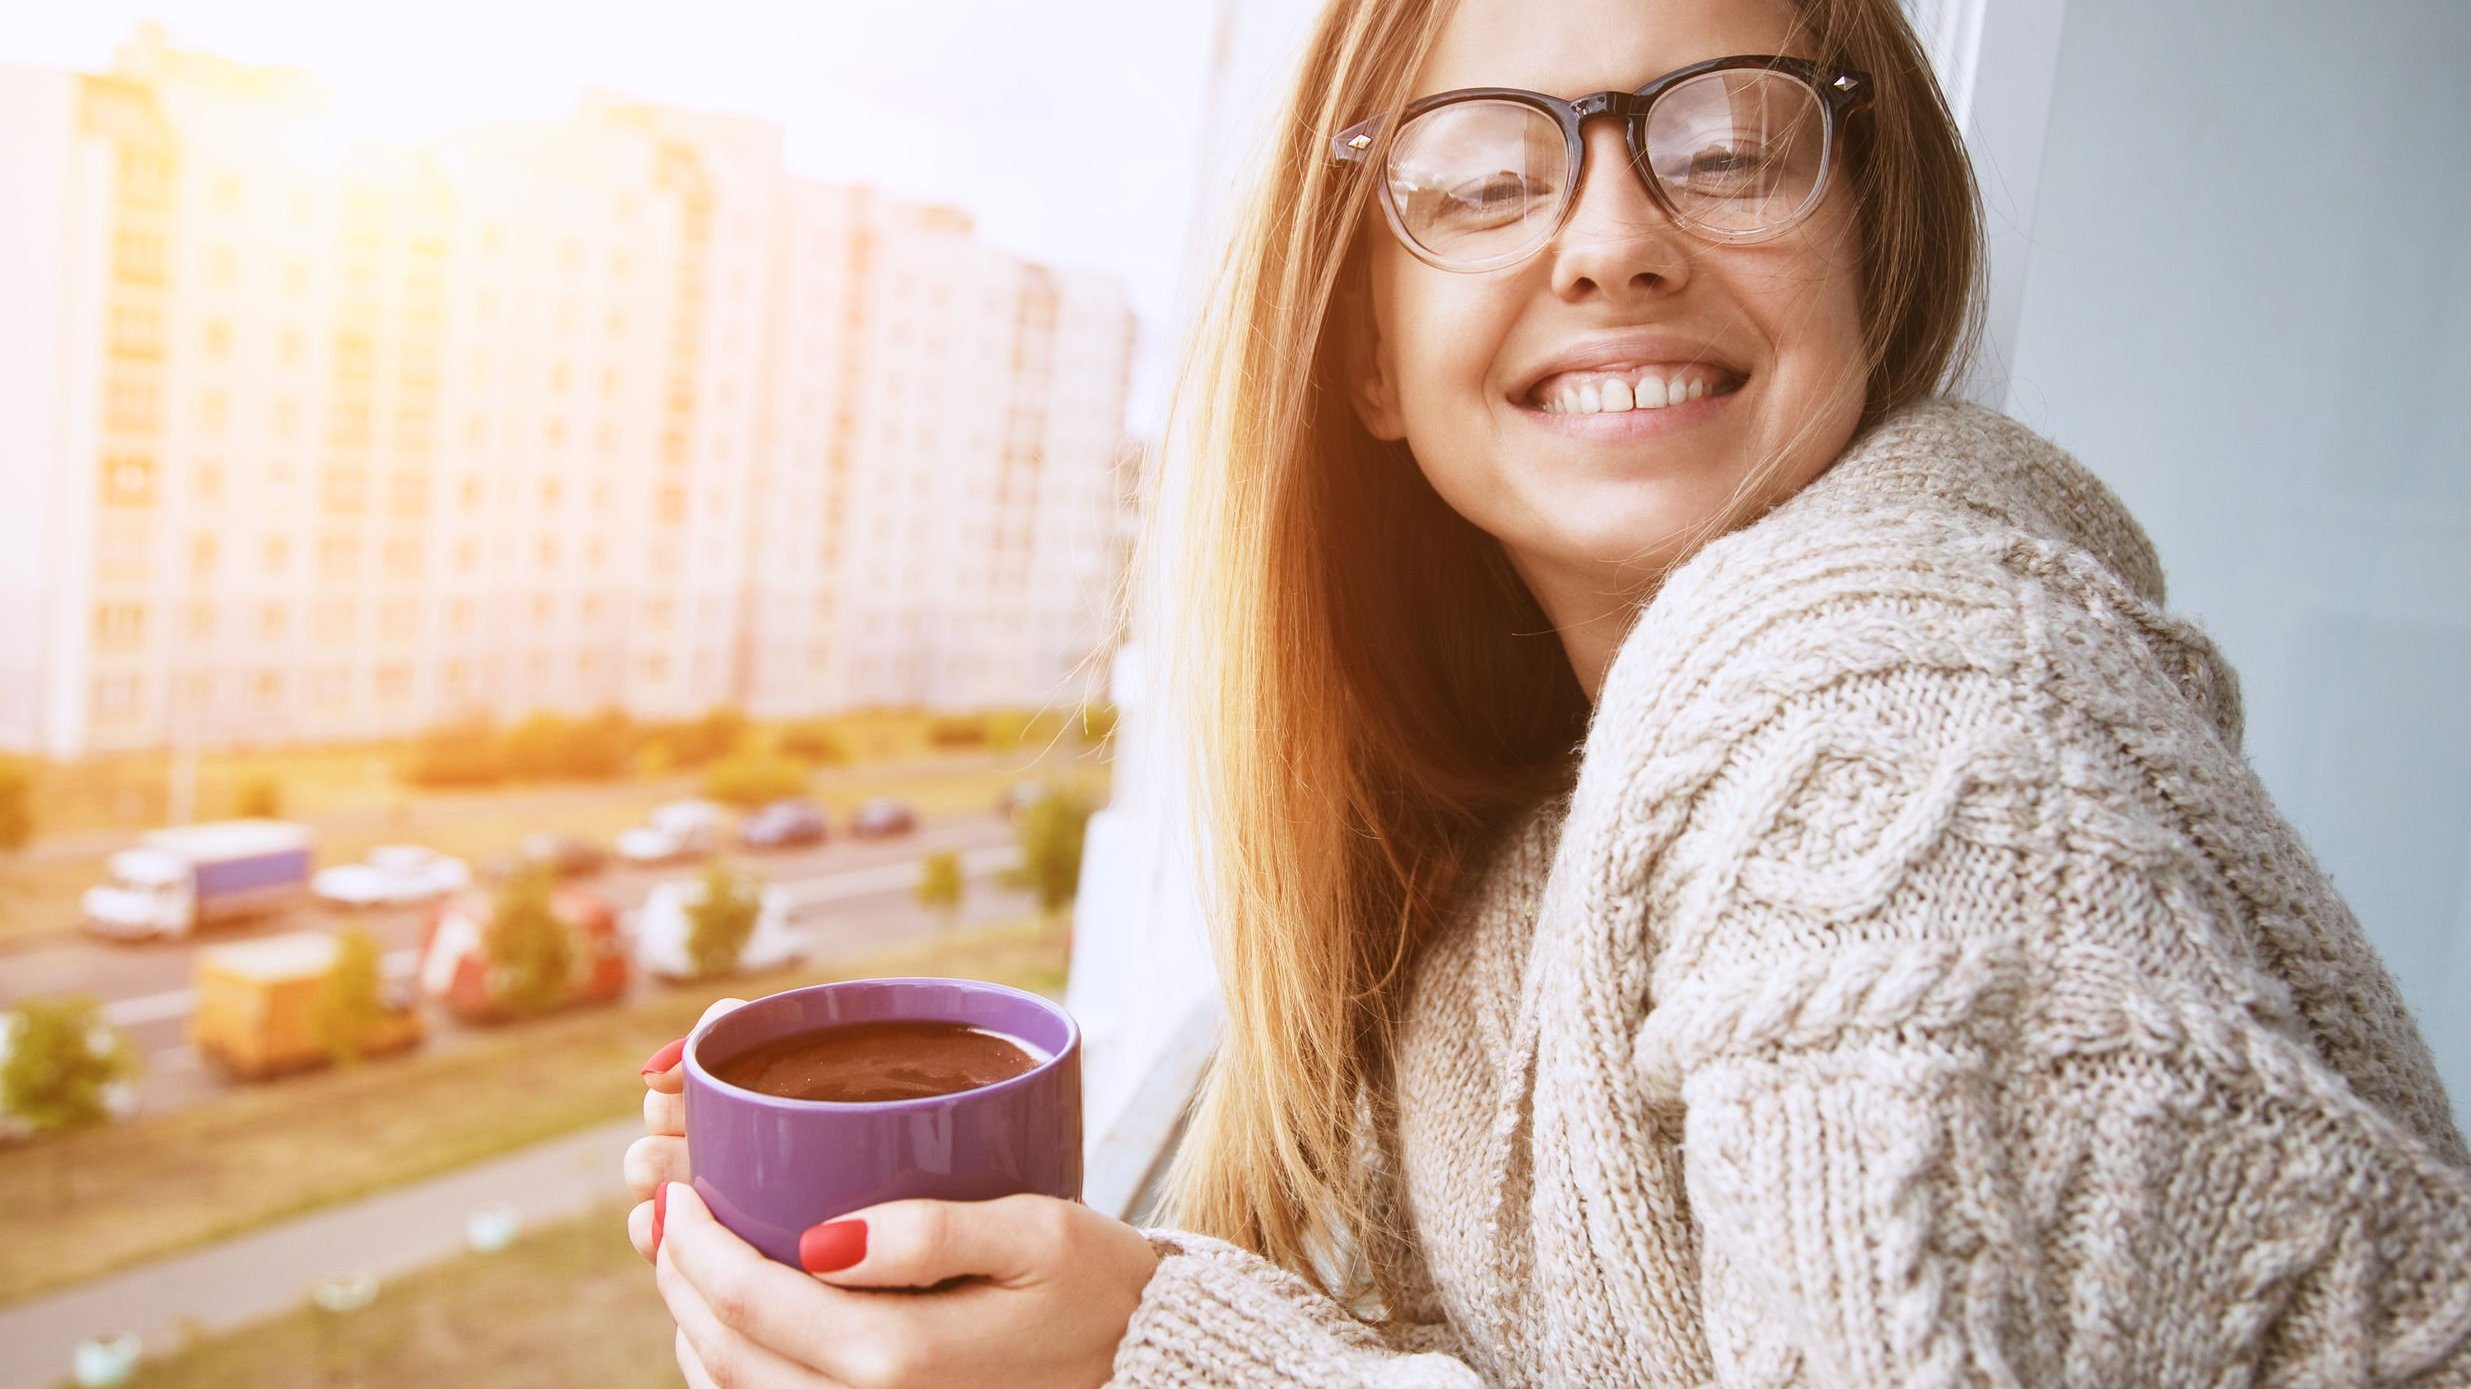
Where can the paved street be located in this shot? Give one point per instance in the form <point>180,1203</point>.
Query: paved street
<point>849,897</point>
<point>260,1275</point>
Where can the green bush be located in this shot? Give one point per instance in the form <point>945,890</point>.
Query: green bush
<point>720,732</point>
<point>939,881</point>
<point>260,798</point>
<point>62,1063</point>
<point>749,779</point>
<point>531,951</point>
<point>16,804</point>
<point>717,926</point>
<point>814,743</point>
<point>352,1004</point>
<point>465,752</point>
<point>1097,723</point>
<point>957,731</point>
<point>1050,831</point>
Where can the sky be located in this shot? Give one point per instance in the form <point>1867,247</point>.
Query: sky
<point>1067,130</point>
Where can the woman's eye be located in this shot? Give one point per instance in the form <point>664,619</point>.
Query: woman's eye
<point>1500,197</point>
<point>1724,167</point>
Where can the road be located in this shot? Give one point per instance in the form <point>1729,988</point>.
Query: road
<point>265,1273</point>
<point>848,897</point>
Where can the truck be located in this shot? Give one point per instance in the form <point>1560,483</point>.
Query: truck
<point>260,1004</point>
<point>176,881</point>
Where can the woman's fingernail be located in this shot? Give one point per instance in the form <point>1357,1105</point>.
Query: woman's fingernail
<point>660,1212</point>
<point>665,1058</point>
<point>832,1246</point>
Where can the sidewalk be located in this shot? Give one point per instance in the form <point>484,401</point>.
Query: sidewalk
<point>259,1275</point>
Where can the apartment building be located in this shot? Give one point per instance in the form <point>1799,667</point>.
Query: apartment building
<point>307,442</point>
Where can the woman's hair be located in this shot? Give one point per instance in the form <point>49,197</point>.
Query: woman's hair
<point>1368,687</point>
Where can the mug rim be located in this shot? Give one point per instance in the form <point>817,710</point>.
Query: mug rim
<point>696,1070</point>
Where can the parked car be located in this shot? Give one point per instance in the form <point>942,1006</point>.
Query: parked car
<point>784,824</point>
<point>454,952</point>
<point>564,855</point>
<point>664,923</point>
<point>677,831</point>
<point>258,1005</point>
<point>882,818</point>
<point>177,880</point>
<point>394,875</point>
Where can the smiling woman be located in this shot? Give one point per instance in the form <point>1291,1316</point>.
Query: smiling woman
<point>1742,884</point>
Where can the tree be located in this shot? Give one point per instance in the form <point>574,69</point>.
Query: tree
<point>62,1064</point>
<point>16,804</point>
<point>717,734</point>
<point>353,1003</point>
<point>260,798</point>
<point>939,881</point>
<point>750,779</point>
<point>531,951</point>
<point>1050,831</point>
<point>1097,723</point>
<point>719,922</point>
<point>535,749</point>
<point>813,743</point>
<point>465,752</point>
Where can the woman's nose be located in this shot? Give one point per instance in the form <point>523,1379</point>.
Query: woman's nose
<point>1617,243</point>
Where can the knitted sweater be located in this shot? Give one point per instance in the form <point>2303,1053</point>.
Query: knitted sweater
<point>1916,988</point>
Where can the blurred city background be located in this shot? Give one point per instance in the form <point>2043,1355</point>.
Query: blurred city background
<point>493,558</point>
<point>518,518</point>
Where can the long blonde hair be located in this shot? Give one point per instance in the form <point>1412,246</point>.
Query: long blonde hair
<point>1367,686</point>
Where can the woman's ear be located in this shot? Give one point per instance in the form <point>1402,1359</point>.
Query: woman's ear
<point>1371,370</point>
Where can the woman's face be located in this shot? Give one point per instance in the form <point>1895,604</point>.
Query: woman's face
<point>1477,372</point>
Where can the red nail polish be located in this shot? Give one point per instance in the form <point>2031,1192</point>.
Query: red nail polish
<point>832,1246</point>
<point>660,1213</point>
<point>665,1058</point>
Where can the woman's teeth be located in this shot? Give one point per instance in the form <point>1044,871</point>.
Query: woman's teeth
<point>1607,395</point>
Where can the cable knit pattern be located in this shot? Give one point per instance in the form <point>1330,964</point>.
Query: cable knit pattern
<point>1917,988</point>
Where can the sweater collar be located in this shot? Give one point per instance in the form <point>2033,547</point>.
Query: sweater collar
<point>1961,456</point>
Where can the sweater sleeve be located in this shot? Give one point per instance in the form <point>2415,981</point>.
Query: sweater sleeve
<point>1985,1077</point>
<point>1220,1316</point>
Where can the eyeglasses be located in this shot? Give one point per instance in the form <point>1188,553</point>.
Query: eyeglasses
<point>1734,149</point>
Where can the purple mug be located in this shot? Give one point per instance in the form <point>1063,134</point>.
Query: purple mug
<point>771,1167</point>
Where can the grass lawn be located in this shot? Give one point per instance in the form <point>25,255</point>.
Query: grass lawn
<point>92,1202</point>
<point>572,1295</point>
<point>39,897</point>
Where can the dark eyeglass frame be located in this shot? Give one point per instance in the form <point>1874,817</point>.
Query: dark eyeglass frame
<point>1841,91</point>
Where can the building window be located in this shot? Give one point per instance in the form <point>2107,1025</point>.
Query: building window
<point>128,480</point>
<point>119,626</point>
<point>338,556</point>
<point>130,407</point>
<point>117,696</point>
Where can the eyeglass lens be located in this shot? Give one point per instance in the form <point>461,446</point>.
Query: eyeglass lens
<point>1736,154</point>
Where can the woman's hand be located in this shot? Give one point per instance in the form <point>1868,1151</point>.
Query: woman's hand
<point>660,1155</point>
<point>1024,1291</point>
